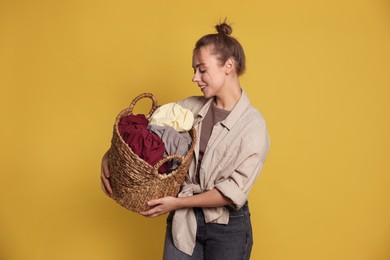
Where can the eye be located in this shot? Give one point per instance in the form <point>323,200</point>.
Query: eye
<point>202,69</point>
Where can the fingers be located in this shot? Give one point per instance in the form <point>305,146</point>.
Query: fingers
<point>105,169</point>
<point>146,213</point>
<point>154,212</point>
<point>106,185</point>
<point>105,175</point>
<point>105,190</point>
<point>153,203</point>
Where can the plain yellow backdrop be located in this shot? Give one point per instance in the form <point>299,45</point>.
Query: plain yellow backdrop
<point>319,71</point>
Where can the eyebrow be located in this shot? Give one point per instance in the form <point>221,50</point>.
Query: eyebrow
<point>200,64</point>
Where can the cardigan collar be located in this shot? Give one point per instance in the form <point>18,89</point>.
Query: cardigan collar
<point>235,113</point>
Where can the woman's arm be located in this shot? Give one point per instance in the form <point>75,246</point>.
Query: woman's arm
<point>211,198</point>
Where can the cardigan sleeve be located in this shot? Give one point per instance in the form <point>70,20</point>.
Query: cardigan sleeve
<point>236,180</point>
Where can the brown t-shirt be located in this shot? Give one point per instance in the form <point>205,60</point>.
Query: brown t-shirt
<point>214,115</point>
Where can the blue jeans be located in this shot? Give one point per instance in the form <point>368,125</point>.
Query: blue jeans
<point>216,241</point>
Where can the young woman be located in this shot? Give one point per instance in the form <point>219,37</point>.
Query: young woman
<point>210,218</point>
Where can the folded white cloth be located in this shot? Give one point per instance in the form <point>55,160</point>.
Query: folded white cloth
<point>173,115</point>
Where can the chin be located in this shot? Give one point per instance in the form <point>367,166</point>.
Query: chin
<point>206,94</point>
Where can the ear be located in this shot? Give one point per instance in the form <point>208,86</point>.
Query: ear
<point>230,66</point>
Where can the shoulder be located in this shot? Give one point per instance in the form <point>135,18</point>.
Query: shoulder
<point>252,118</point>
<point>253,130</point>
<point>193,103</point>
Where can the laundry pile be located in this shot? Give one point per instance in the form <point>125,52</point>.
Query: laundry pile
<point>165,133</point>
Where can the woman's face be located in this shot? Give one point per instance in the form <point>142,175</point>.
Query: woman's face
<point>208,73</point>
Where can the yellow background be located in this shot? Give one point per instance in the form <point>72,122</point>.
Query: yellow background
<point>319,71</point>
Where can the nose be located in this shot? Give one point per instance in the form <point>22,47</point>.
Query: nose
<point>196,77</point>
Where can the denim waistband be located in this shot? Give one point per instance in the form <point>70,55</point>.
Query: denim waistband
<point>231,210</point>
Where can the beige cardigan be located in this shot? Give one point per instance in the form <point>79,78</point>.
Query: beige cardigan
<point>232,161</point>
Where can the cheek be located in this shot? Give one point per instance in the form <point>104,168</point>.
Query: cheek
<point>205,77</point>
<point>209,76</point>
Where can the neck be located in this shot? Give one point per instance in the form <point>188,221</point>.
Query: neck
<point>228,98</point>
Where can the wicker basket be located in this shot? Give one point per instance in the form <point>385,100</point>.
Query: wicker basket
<point>134,182</point>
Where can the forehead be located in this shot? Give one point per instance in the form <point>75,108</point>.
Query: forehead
<point>203,56</point>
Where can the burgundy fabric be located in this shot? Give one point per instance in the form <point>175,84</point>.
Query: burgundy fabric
<point>147,145</point>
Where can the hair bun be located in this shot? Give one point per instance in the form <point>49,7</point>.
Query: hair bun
<point>224,28</point>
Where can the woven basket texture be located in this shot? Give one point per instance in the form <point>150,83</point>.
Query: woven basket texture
<point>134,182</point>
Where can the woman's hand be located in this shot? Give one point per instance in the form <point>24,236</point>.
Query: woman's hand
<point>211,198</point>
<point>105,176</point>
<point>161,206</point>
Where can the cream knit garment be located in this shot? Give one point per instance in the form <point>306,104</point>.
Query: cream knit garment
<point>173,115</point>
